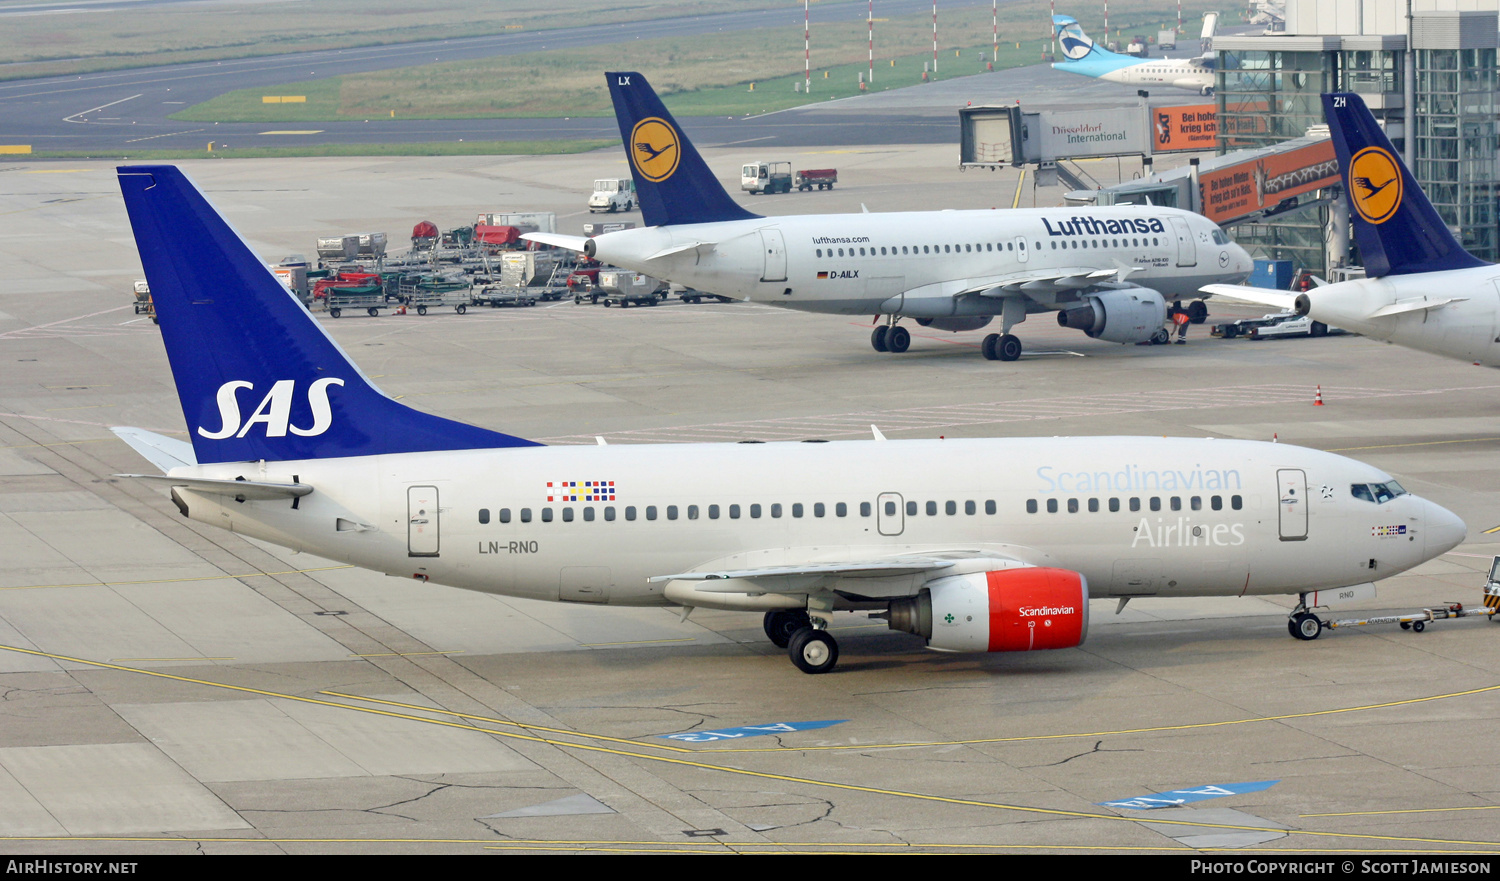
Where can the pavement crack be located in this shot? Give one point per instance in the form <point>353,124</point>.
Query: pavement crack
<point>1098,748</point>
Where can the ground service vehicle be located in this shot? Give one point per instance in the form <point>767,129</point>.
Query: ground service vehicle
<point>766,177</point>
<point>612,194</point>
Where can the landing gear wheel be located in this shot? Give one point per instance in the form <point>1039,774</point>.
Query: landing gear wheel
<point>782,624</point>
<point>1008,347</point>
<point>813,651</point>
<point>1161,337</point>
<point>988,347</point>
<point>1197,312</point>
<point>1305,626</point>
<point>877,339</point>
<point>898,340</point>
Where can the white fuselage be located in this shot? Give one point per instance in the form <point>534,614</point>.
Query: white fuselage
<point>931,264</point>
<point>1179,74</point>
<point>1136,516</point>
<point>1468,329</point>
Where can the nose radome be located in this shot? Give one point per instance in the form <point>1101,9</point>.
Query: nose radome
<point>1445,531</point>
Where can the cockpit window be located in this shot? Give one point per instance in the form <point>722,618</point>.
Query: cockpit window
<point>1379,493</point>
<point>1220,237</point>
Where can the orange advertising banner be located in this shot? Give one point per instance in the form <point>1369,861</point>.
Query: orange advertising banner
<point>1256,184</point>
<point>1187,127</point>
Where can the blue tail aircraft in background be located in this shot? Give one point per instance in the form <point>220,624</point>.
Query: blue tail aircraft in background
<point>1082,55</point>
<point>1422,289</point>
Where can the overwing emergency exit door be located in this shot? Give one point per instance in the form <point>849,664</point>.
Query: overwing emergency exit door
<point>421,521</point>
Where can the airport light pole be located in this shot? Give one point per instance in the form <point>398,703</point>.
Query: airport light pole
<point>806,49</point>
<point>870,20</point>
<point>934,37</point>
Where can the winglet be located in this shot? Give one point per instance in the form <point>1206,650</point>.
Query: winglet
<point>1398,230</point>
<point>672,181</point>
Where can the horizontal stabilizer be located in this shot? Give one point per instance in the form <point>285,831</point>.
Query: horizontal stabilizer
<point>572,243</point>
<point>164,452</point>
<point>1247,294</point>
<point>243,490</point>
<point>1420,304</point>
<point>678,249</point>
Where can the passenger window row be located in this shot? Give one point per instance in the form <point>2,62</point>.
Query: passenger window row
<point>1154,242</point>
<point>1154,503</point>
<point>733,512</point>
<point>924,249</point>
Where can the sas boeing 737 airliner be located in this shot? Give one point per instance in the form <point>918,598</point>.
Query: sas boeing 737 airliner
<point>1106,271</point>
<point>973,545</point>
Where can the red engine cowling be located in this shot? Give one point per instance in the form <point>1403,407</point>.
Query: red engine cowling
<point>1005,610</point>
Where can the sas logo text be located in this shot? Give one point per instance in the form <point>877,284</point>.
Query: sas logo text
<point>274,411</point>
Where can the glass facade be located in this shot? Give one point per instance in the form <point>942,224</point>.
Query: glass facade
<point>1456,142</point>
<point>1265,97</point>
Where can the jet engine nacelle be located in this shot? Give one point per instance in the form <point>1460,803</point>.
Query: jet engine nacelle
<point>1006,610</point>
<point>957,324</point>
<point>1126,315</point>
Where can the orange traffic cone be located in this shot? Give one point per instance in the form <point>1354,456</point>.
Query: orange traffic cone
<point>1318,398</point>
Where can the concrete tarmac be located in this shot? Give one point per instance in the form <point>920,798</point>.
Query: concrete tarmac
<point>170,688</point>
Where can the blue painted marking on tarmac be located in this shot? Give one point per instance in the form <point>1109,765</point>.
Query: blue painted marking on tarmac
<point>750,731</point>
<point>1184,796</point>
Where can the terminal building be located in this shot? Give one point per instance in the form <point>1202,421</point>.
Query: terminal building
<point>1426,68</point>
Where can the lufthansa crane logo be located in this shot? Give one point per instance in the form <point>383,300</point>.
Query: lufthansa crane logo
<point>655,149</point>
<point>1375,184</point>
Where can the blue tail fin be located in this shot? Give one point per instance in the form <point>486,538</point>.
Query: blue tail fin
<point>672,181</point>
<point>1398,230</point>
<point>1076,45</point>
<point>257,377</point>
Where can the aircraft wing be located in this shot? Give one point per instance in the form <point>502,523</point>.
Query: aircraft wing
<point>1245,293</point>
<point>1040,282</point>
<point>893,576</point>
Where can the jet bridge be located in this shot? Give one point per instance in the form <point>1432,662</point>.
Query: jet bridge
<point>1240,187</point>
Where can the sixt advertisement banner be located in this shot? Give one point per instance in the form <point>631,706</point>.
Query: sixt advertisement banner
<point>1249,186</point>
<point>1190,127</point>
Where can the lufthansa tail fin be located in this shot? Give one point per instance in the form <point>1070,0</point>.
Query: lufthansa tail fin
<point>257,376</point>
<point>672,182</point>
<point>1398,230</point>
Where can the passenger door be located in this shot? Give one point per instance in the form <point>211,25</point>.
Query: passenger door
<point>421,521</point>
<point>775,248</point>
<point>1292,505</point>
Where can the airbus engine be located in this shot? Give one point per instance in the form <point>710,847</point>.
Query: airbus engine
<point>1125,315</point>
<point>1006,610</point>
<point>958,323</point>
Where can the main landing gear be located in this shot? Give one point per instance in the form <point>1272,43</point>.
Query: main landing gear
<point>810,646</point>
<point>1001,347</point>
<point>891,338</point>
